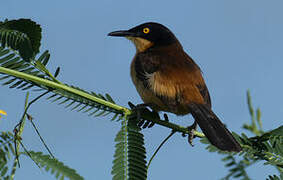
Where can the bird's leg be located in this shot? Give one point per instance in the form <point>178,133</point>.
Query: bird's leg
<point>192,129</point>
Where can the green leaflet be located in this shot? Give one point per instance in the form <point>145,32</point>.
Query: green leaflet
<point>6,148</point>
<point>269,150</point>
<point>36,68</point>
<point>22,35</point>
<point>129,159</point>
<point>264,146</point>
<point>54,166</point>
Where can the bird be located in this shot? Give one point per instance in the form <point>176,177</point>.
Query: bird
<point>167,79</point>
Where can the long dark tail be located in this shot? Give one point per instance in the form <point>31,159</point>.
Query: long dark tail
<point>214,130</point>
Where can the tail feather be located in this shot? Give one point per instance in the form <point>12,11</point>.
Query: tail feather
<point>214,129</point>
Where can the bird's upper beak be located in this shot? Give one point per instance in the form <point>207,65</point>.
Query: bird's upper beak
<point>140,43</point>
<point>122,33</point>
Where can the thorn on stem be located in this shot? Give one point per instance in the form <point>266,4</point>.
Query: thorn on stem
<point>29,117</point>
<point>166,117</point>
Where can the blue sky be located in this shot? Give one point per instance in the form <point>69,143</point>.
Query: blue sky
<point>237,44</point>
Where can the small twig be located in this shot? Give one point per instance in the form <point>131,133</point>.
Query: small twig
<point>41,139</point>
<point>18,129</point>
<point>156,151</point>
<point>166,117</point>
<point>16,148</point>
<point>29,104</point>
<point>172,126</point>
<point>25,149</point>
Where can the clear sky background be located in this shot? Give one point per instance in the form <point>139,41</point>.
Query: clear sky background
<point>237,44</point>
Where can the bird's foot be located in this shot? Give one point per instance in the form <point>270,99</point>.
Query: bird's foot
<point>139,109</point>
<point>192,130</point>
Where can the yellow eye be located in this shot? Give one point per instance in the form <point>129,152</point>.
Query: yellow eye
<point>146,30</point>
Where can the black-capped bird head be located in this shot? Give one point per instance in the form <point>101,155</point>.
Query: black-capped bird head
<point>147,35</point>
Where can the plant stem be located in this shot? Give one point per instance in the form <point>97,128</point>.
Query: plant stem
<point>55,85</point>
<point>58,86</point>
<point>172,126</point>
<point>16,142</point>
<point>156,151</point>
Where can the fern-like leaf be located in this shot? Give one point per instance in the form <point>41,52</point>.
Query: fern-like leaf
<point>55,167</point>
<point>129,158</point>
<point>119,164</point>
<point>236,169</point>
<point>11,60</point>
<point>265,146</point>
<point>22,35</point>
<point>6,149</point>
<point>85,105</point>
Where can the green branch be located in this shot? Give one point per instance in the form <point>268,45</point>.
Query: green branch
<point>54,85</point>
<point>172,126</point>
<point>58,86</point>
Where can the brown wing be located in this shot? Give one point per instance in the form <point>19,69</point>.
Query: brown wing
<point>173,77</point>
<point>179,76</point>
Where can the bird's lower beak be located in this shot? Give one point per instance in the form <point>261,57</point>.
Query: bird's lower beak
<point>122,34</point>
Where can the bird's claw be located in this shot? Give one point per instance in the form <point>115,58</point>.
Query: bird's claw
<point>139,109</point>
<point>166,117</point>
<point>191,135</point>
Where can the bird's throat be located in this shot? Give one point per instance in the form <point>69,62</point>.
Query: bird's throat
<point>140,43</point>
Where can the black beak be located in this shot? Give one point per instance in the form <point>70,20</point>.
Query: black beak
<point>122,33</point>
